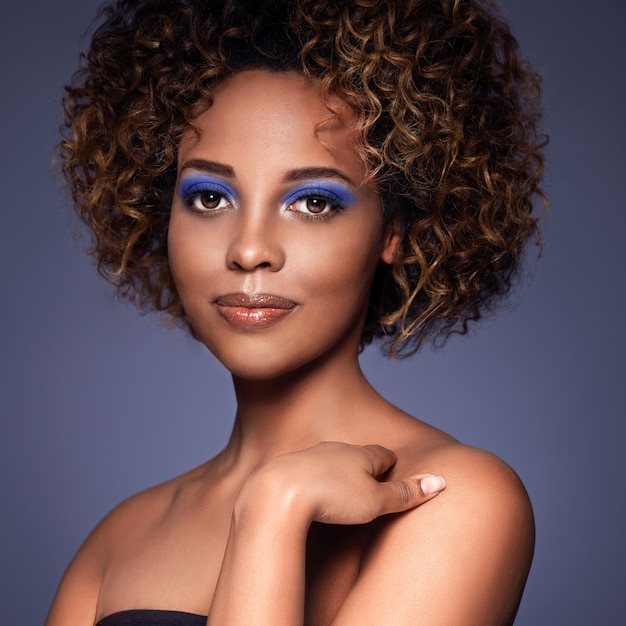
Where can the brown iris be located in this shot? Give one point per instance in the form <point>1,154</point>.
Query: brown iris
<point>316,205</point>
<point>210,200</point>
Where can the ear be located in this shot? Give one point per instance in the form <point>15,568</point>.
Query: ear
<point>391,245</point>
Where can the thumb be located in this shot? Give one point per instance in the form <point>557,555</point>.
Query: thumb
<point>430,484</point>
<point>408,493</point>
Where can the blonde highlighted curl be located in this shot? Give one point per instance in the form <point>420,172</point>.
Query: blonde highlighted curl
<point>446,120</point>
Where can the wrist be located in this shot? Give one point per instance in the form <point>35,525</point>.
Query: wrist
<point>270,497</point>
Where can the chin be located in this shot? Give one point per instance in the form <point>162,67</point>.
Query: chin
<point>271,361</point>
<point>251,360</point>
<point>260,372</point>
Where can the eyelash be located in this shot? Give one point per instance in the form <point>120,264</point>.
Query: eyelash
<point>195,191</point>
<point>333,200</point>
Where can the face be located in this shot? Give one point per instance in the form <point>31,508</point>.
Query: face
<point>273,240</point>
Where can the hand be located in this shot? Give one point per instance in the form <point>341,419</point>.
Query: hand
<point>336,483</point>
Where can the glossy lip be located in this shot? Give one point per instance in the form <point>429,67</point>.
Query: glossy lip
<point>253,310</point>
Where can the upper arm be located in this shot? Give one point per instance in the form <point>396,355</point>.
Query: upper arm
<point>76,598</point>
<point>461,559</point>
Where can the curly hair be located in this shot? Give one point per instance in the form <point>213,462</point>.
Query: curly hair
<point>446,120</point>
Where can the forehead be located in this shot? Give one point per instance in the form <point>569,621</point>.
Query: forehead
<point>260,115</point>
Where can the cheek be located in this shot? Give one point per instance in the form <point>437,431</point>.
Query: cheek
<point>178,251</point>
<point>342,264</point>
<point>191,256</point>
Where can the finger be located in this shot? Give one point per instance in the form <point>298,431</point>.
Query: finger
<point>381,459</point>
<point>401,495</point>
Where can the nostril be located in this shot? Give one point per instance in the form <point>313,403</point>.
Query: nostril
<point>254,246</point>
<point>246,267</point>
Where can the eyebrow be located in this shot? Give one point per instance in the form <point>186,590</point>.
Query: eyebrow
<point>213,167</point>
<point>305,173</point>
<point>292,176</point>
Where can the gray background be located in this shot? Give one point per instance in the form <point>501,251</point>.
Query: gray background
<point>98,402</point>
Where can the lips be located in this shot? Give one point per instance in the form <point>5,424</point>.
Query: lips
<point>253,310</point>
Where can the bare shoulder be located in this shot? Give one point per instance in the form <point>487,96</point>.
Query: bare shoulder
<point>77,596</point>
<point>484,501</point>
<point>476,478</point>
<point>462,557</point>
<point>132,517</point>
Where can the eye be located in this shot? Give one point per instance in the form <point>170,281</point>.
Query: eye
<point>319,199</point>
<point>207,201</point>
<point>315,205</point>
<point>205,194</point>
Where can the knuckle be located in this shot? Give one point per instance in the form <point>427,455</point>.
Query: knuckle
<point>405,493</point>
<point>380,458</point>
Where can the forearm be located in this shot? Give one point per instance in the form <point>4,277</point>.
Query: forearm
<point>262,577</point>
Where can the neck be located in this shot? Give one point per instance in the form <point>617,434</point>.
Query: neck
<point>325,401</point>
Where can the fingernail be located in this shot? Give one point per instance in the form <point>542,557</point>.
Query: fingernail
<point>432,484</point>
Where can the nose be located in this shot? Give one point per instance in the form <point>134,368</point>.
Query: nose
<point>255,245</point>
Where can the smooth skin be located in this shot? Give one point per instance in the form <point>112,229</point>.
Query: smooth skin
<point>317,510</point>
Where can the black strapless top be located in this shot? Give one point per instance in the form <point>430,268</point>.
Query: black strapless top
<point>143,617</point>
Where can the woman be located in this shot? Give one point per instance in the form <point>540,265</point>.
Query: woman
<point>292,181</point>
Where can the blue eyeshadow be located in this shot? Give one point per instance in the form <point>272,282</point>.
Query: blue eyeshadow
<point>197,183</point>
<point>333,191</point>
